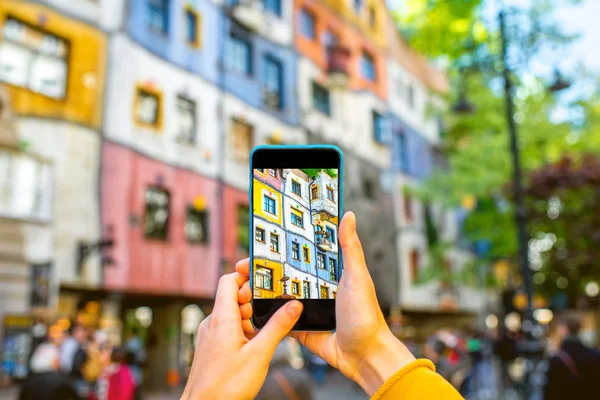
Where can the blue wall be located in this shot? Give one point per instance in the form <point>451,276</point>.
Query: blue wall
<point>173,48</point>
<point>249,88</point>
<point>418,152</point>
<point>299,264</point>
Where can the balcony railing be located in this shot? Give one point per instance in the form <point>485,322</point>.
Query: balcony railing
<point>323,244</point>
<point>248,13</point>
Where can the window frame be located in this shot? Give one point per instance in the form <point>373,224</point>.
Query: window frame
<point>182,98</point>
<point>269,62</point>
<point>275,244</point>
<point>165,14</point>
<point>257,281</point>
<point>273,173</point>
<point>324,289</point>
<point>315,189</point>
<point>274,7</point>
<point>331,232</point>
<point>263,234</point>
<point>240,127</point>
<point>297,184</point>
<point>36,54</point>
<point>321,99</point>
<point>329,190</point>
<point>204,216</point>
<point>321,260</point>
<point>332,262</point>
<point>235,42</point>
<point>190,11</point>
<point>267,202</point>
<point>305,292</point>
<point>306,16</point>
<point>296,216</point>
<point>163,234</point>
<point>296,251</point>
<point>305,254</point>
<point>368,67</point>
<point>157,126</point>
<point>296,285</point>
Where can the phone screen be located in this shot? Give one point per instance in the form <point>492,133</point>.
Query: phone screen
<point>295,250</point>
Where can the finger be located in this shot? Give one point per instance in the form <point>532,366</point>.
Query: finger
<point>248,328</point>
<point>246,311</point>
<point>243,267</point>
<point>279,325</point>
<point>352,252</point>
<point>226,299</point>
<point>245,293</point>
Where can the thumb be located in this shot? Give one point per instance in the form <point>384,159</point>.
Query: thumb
<point>279,325</point>
<point>352,251</point>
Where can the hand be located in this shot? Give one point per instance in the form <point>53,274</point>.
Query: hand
<point>229,363</point>
<point>363,348</point>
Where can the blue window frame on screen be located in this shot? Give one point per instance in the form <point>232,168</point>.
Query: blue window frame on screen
<point>331,234</point>
<point>307,24</point>
<point>191,27</point>
<point>238,55</point>
<point>273,6</point>
<point>273,83</point>
<point>269,205</point>
<point>158,16</point>
<point>367,66</point>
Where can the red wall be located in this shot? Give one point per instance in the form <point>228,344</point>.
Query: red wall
<point>153,266</point>
<point>232,198</point>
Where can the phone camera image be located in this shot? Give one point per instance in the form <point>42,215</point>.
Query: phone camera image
<point>295,228</point>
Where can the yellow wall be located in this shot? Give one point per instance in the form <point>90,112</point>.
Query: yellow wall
<point>277,275</point>
<point>377,33</point>
<point>257,202</point>
<point>87,59</point>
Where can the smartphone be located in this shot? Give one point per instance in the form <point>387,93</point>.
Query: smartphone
<point>296,199</point>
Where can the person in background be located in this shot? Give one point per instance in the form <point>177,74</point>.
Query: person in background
<point>46,381</point>
<point>117,381</point>
<point>135,347</point>
<point>93,366</point>
<point>70,346</point>
<point>574,371</point>
<point>231,359</point>
<point>80,335</point>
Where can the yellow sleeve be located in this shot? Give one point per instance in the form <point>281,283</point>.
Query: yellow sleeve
<point>416,381</point>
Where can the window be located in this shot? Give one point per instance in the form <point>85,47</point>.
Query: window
<point>158,16</point>
<point>332,269</point>
<point>296,288</point>
<point>269,205</point>
<point>380,128</point>
<point>357,5</point>
<point>25,186</point>
<point>243,235</point>
<point>368,189</point>
<point>307,24</point>
<point>411,96</point>
<point>334,294</point>
<point>297,218</point>
<point>242,140</point>
<point>321,260</point>
<point>274,242</point>
<point>320,99</point>
<point>186,120</point>
<point>306,289</point>
<point>196,225</point>
<point>273,173</point>
<point>324,292</point>
<point>331,232</point>
<point>306,254</point>
<point>156,220</point>
<point>372,16</point>
<point>33,59</point>
<point>328,38</point>
<point>296,188</point>
<point>273,83</point>
<point>259,235</point>
<point>399,153</point>
<point>414,264</point>
<point>192,28</point>
<point>314,192</point>
<point>330,193</point>
<point>408,208</point>
<point>273,6</point>
<point>368,67</point>
<point>148,108</point>
<point>261,170</point>
<point>263,278</point>
<point>238,55</point>
<point>295,251</point>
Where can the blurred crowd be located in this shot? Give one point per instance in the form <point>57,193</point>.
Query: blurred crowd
<point>81,364</point>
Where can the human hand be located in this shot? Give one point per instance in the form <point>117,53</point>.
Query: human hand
<point>363,348</point>
<point>228,362</point>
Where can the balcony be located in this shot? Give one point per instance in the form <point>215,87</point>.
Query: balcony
<point>248,13</point>
<point>323,244</point>
<point>338,65</point>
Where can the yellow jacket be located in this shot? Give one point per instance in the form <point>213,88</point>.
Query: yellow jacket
<point>417,381</point>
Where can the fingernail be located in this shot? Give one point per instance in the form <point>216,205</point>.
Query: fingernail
<point>293,308</point>
<point>352,221</point>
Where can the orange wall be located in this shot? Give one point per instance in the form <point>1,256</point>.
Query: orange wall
<point>349,36</point>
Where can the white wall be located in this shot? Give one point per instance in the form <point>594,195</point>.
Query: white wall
<point>308,231</point>
<point>107,14</point>
<point>74,152</point>
<point>262,250</point>
<point>265,127</point>
<point>351,120</point>
<point>417,116</point>
<point>130,65</point>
